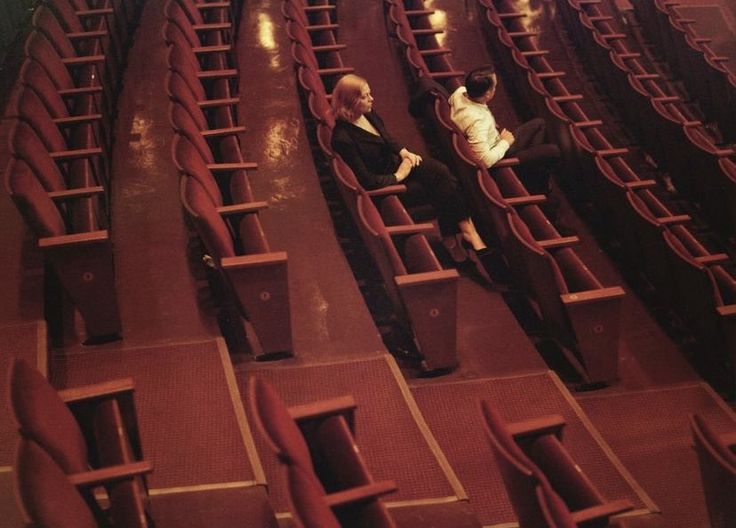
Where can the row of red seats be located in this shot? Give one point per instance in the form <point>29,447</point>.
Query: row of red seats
<point>698,283</point>
<point>215,181</point>
<point>577,309</point>
<point>61,138</point>
<point>701,69</point>
<point>423,293</point>
<point>656,111</point>
<point>73,443</point>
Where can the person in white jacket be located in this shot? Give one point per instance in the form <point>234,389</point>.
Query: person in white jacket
<point>528,143</point>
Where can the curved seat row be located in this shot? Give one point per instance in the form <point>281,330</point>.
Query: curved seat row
<point>701,68</point>
<point>62,112</point>
<point>656,112</point>
<point>699,283</point>
<point>424,295</point>
<point>577,309</point>
<point>216,193</point>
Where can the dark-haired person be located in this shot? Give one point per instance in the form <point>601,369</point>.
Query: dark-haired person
<point>362,141</point>
<point>528,142</point>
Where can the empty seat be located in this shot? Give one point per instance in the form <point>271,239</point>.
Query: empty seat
<point>546,488</point>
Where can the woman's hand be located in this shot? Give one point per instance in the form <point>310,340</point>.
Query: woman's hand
<point>404,169</point>
<point>508,136</point>
<point>415,159</point>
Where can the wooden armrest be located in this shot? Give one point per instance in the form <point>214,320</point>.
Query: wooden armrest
<point>629,55</point>
<point>613,36</point>
<point>253,261</point>
<point>522,34</point>
<point>95,12</point>
<point>388,190</point>
<point>610,153</point>
<point>647,77</point>
<point>76,119</point>
<point>410,229</point>
<point>552,243</point>
<point>212,5</point>
<point>426,277</point>
<point>212,27</point>
<point>419,12</point>
<point>76,193</point>
<point>434,51</point>
<point>84,59</point>
<point>328,47</point>
<point>535,53</point>
<point>313,8</point>
<point>551,75</point>
<point>217,74</point>
<point>724,152</point>
<point>714,258</point>
<point>601,511</point>
<point>214,103</point>
<point>335,71</point>
<point>567,98</point>
<point>360,493</point>
<point>551,424</point>
<point>230,167</point>
<point>511,14</point>
<point>728,310</point>
<point>587,296</point>
<point>83,35</point>
<point>98,477</point>
<point>446,74</point>
<point>640,184</point>
<point>322,27</point>
<point>600,18</point>
<point>531,199</point>
<point>667,99</point>
<point>588,124</point>
<point>106,389</point>
<point>217,132</point>
<point>85,90</point>
<point>64,155</point>
<point>200,50</point>
<point>91,237</point>
<point>675,219</point>
<point>427,31</point>
<point>242,208</point>
<point>342,405</point>
<point>505,162</point>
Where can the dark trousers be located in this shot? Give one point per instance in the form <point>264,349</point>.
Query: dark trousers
<point>536,155</point>
<point>434,182</point>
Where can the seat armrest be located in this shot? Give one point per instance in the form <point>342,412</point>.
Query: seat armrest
<point>217,132</point>
<point>360,493</point>
<point>212,5</point>
<point>98,477</point>
<point>242,208</point>
<point>342,405</point>
<point>388,190</point>
<point>550,424</point>
<point>76,119</point>
<point>105,389</point>
<point>505,162</point>
<point>602,511</point>
<point>558,242</point>
<point>230,167</point>
<point>90,237</point>
<point>95,12</point>
<point>66,155</point>
<point>410,229</point>
<point>531,199</point>
<point>74,194</point>
<point>213,103</point>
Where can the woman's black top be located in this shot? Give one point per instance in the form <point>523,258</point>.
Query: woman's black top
<point>373,159</point>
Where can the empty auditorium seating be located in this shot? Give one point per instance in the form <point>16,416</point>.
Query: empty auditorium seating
<point>544,484</point>
<point>329,482</point>
<point>657,110</point>
<point>608,174</point>
<point>215,186</point>
<point>66,423</point>
<point>717,460</point>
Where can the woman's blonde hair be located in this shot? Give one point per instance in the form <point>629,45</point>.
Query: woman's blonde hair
<point>346,95</point>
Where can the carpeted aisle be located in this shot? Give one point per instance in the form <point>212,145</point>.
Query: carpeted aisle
<point>453,415</point>
<point>650,433</point>
<point>391,435</point>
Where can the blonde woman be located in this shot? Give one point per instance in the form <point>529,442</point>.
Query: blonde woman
<point>362,141</point>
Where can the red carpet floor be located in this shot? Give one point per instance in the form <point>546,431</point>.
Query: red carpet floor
<point>453,416</point>
<point>649,432</point>
<point>393,443</point>
<point>186,411</point>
